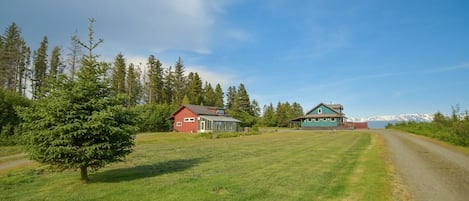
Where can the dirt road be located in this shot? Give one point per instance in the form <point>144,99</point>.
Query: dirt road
<point>429,170</point>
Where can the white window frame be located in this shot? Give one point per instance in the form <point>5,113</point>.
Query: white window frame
<point>319,110</point>
<point>178,124</point>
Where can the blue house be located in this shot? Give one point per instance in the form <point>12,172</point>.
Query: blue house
<point>323,116</point>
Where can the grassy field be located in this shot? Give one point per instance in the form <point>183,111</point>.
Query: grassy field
<point>278,166</point>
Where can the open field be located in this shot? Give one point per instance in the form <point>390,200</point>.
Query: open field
<point>311,165</point>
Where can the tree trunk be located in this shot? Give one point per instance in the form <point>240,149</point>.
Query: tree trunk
<point>84,174</point>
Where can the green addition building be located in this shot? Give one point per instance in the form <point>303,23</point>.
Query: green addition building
<point>323,116</point>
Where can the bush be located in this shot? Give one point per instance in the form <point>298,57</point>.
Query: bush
<point>454,129</point>
<point>154,117</point>
<point>9,120</point>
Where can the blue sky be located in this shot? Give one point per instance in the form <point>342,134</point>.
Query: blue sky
<point>375,57</point>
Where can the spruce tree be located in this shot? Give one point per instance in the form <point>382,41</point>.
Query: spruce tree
<point>155,88</point>
<point>133,86</point>
<point>231,98</point>
<point>242,97</point>
<point>219,96</point>
<point>74,55</point>
<point>79,123</point>
<point>56,65</point>
<point>194,88</point>
<point>40,68</point>
<point>118,74</point>
<point>179,88</point>
<point>14,59</point>
<point>168,86</point>
<point>209,97</point>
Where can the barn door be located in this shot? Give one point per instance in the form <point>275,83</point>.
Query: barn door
<point>202,126</point>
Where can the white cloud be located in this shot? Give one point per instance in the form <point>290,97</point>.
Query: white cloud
<point>225,79</point>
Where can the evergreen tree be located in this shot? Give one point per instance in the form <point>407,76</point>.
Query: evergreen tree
<point>209,95</point>
<point>74,55</point>
<point>40,68</point>
<point>297,110</point>
<point>118,74</point>
<point>56,65</point>
<point>133,86</point>
<point>79,123</point>
<point>255,109</point>
<point>269,117</point>
<point>231,98</point>
<point>14,60</point>
<point>219,96</point>
<point>155,81</point>
<point>179,89</point>
<point>194,88</point>
<point>168,86</point>
<point>243,101</point>
<point>282,116</point>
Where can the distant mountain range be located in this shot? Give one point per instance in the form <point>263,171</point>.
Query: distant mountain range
<point>396,118</point>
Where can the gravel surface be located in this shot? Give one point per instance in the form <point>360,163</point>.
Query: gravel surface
<point>429,170</point>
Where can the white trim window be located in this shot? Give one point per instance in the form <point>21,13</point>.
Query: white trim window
<point>319,110</point>
<point>178,124</point>
<point>189,119</point>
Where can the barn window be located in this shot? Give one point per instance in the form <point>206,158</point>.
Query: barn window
<point>332,119</point>
<point>319,110</point>
<point>317,119</point>
<point>178,123</point>
<point>309,120</point>
<point>189,119</point>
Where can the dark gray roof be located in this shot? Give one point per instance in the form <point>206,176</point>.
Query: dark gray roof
<point>202,110</point>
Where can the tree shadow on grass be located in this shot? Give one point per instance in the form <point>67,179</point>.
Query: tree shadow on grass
<point>143,171</point>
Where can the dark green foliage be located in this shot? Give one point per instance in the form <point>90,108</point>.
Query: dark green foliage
<point>194,89</point>
<point>118,74</point>
<point>56,64</point>
<point>179,82</point>
<point>133,87</point>
<point>155,84</point>
<point>79,123</point>
<point>219,96</point>
<point>209,98</point>
<point>9,120</point>
<point>40,68</point>
<point>453,129</point>
<point>154,117</point>
<point>269,119</point>
<point>281,116</point>
<point>14,60</point>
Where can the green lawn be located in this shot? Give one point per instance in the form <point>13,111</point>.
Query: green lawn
<point>279,166</point>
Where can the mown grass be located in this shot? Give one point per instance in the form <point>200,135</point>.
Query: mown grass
<point>281,166</point>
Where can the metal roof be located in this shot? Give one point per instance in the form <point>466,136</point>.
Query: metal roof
<point>219,118</point>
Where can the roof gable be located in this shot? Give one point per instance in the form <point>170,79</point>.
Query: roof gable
<point>322,108</point>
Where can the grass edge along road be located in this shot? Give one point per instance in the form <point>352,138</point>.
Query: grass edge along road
<point>303,165</point>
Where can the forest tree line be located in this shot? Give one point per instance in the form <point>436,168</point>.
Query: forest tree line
<point>150,90</point>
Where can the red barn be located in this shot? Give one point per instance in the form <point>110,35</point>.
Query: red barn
<point>201,119</point>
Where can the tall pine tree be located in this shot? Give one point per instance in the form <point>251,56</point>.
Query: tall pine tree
<point>155,88</point>
<point>118,74</point>
<point>219,96</point>
<point>40,68</point>
<point>56,65</point>
<point>179,89</point>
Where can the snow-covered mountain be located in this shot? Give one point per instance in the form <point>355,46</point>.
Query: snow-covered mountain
<point>396,118</point>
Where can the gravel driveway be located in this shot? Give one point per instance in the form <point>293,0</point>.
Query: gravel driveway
<point>429,170</point>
